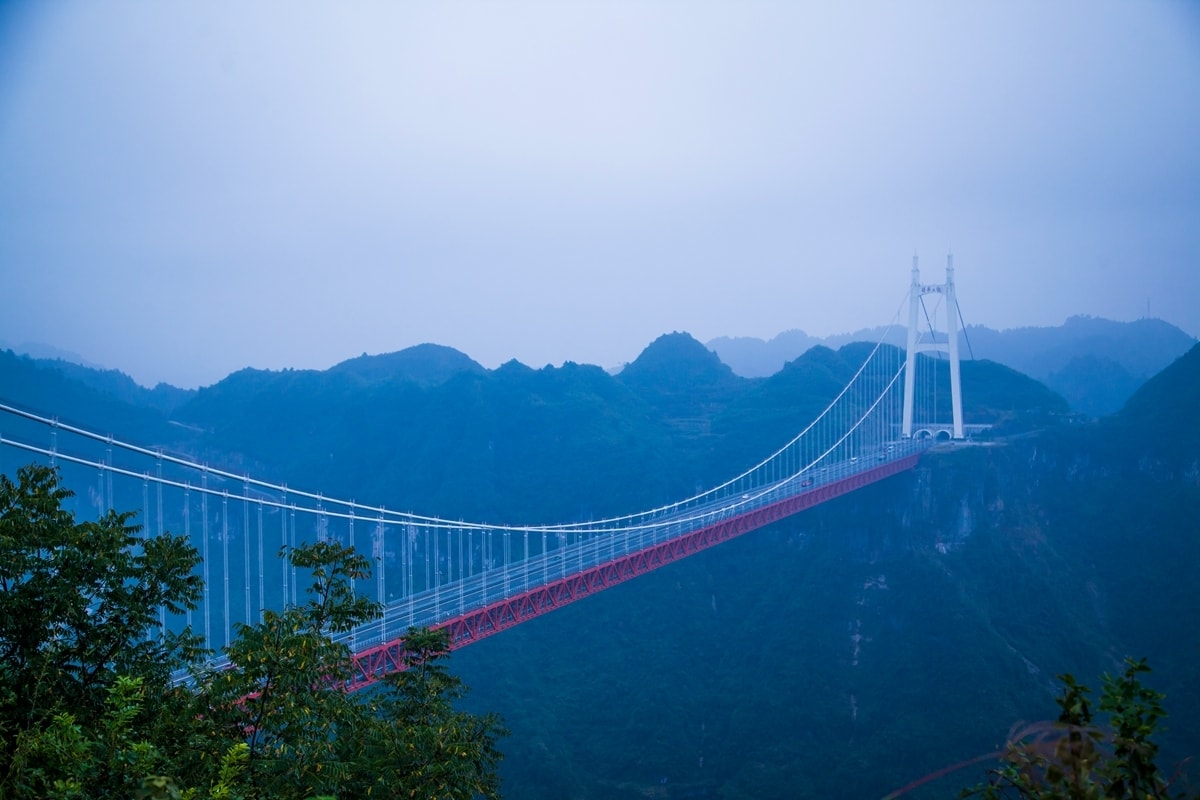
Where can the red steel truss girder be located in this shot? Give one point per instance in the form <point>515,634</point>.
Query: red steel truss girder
<point>373,663</point>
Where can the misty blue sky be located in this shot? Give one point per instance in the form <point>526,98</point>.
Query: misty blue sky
<point>187,189</point>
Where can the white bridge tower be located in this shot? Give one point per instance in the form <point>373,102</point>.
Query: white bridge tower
<point>916,345</point>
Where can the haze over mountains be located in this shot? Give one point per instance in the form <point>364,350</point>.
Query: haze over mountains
<point>1096,364</point>
<point>429,430</point>
<point>843,652</point>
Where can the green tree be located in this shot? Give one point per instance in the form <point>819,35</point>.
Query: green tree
<point>65,760</point>
<point>1076,758</point>
<point>282,694</point>
<point>79,605</point>
<point>282,690</point>
<point>422,747</point>
<point>88,708</point>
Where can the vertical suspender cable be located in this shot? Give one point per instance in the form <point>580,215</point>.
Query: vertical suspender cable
<point>322,522</point>
<point>292,548</point>
<point>225,621</point>
<point>406,562</point>
<point>159,491</point>
<point>146,525</point>
<point>100,490</point>
<point>246,552</point>
<point>381,579</point>
<point>351,532</point>
<point>111,476</point>
<point>146,530</point>
<point>461,578</point>
<point>162,609</point>
<point>262,582</point>
<point>208,642</point>
<point>283,545</point>
<point>505,557</point>
<point>187,534</point>
<point>428,561</point>
<point>377,547</point>
<point>437,577</point>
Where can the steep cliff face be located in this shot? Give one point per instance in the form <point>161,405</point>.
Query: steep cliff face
<point>863,644</point>
<point>954,492</point>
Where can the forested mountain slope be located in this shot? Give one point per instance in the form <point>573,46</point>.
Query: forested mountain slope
<point>878,638</point>
<point>842,652</point>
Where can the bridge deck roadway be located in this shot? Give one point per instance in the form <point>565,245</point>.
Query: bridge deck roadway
<point>373,662</point>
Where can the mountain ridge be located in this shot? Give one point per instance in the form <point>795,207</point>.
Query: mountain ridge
<point>1095,363</point>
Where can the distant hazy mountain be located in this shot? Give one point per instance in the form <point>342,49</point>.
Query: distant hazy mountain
<point>1094,385</point>
<point>426,364</point>
<point>104,401</point>
<point>1160,416</point>
<point>111,383</point>
<point>1096,364</point>
<point>755,358</point>
<point>682,378</point>
<point>1143,346</point>
<point>46,352</point>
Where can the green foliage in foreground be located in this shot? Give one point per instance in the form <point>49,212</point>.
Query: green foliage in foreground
<point>1077,757</point>
<point>88,709</point>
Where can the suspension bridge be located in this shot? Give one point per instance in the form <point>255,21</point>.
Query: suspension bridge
<point>475,579</point>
